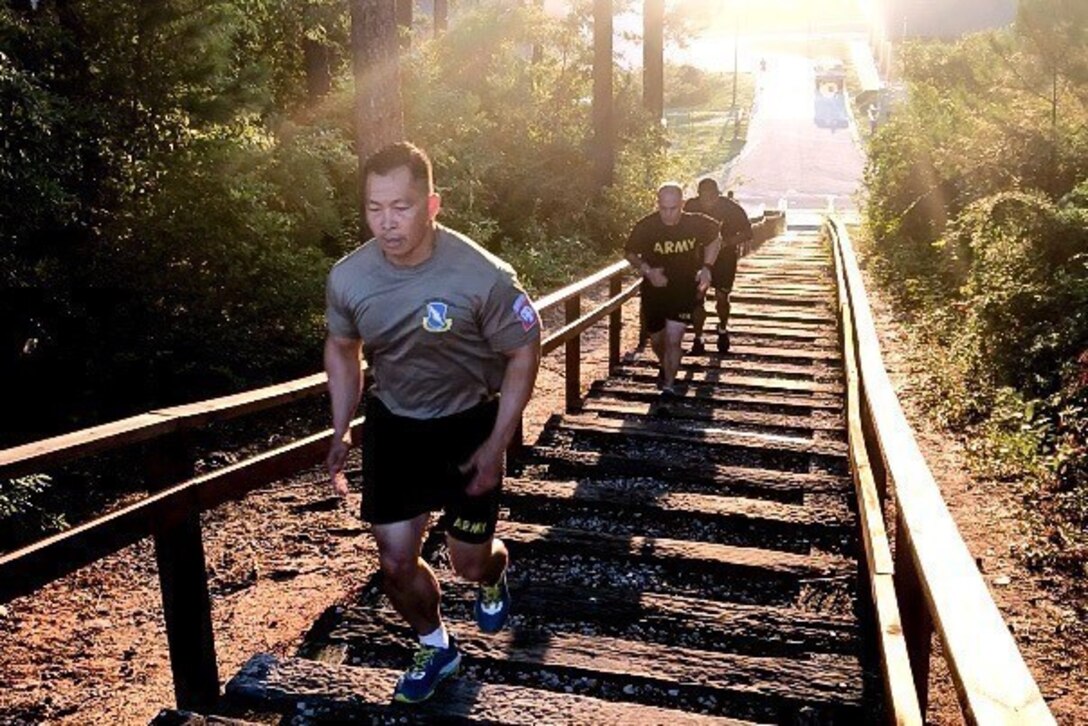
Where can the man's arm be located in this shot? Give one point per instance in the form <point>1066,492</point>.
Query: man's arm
<point>656,275</point>
<point>517,387</point>
<point>710,256</point>
<point>342,365</point>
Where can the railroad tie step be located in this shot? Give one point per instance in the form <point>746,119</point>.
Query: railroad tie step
<point>647,507</point>
<point>758,687</point>
<point>711,362</point>
<point>691,556</point>
<point>767,483</point>
<point>563,603</point>
<point>702,413</point>
<point>729,379</point>
<point>670,430</point>
<point>295,686</point>
<point>719,396</point>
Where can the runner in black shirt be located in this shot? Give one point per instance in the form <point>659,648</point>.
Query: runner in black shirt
<point>674,251</point>
<point>735,231</point>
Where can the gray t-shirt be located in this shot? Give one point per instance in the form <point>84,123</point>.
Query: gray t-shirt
<point>434,335</point>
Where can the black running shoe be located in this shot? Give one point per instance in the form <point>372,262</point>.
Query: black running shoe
<point>723,342</point>
<point>698,347</point>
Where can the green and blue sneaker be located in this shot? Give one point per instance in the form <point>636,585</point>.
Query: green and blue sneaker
<point>430,666</point>
<point>493,605</point>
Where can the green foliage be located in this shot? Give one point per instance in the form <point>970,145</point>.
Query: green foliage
<point>173,193</point>
<point>22,516</point>
<point>510,138</point>
<point>979,213</point>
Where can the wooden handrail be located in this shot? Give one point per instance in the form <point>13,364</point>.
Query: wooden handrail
<point>38,455</point>
<point>172,516</point>
<point>581,324</point>
<point>577,288</point>
<point>991,678</point>
<point>901,705</point>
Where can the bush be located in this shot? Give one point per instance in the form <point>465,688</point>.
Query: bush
<point>22,516</point>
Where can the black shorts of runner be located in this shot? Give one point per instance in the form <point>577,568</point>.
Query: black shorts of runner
<point>724,271</point>
<point>411,466</point>
<point>675,302</point>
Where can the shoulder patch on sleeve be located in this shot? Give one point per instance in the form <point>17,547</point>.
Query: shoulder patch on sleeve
<point>525,312</point>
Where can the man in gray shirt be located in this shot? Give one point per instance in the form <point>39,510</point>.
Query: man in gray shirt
<point>453,345</point>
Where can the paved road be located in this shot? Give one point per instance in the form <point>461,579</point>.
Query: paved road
<point>788,158</point>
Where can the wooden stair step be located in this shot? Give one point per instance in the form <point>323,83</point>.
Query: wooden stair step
<point>777,314</point>
<point>771,297</point>
<point>708,364</point>
<point>821,678</point>
<point>676,431</point>
<point>589,465</point>
<point>708,393</point>
<point>737,627</point>
<point>738,381</point>
<point>289,685</point>
<point>741,319</point>
<point>613,493</point>
<point>758,351</point>
<point>520,536</point>
<point>778,332</point>
<point>690,409</point>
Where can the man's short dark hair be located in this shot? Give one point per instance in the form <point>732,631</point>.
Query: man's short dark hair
<point>396,156</point>
<point>707,183</point>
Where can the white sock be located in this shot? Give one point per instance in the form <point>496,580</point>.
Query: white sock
<point>439,638</point>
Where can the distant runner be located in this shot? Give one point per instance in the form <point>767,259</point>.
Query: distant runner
<point>736,229</point>
<point>674,250</point>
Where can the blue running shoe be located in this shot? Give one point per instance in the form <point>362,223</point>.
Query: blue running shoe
<point>430,666</point>
<point>493,606</point>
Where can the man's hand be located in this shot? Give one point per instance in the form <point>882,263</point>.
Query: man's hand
<point>702,278</point>
<point>656,276</point>
<point>486,462</point>
<point>338,456</point>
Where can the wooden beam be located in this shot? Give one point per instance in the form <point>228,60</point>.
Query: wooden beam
<point>363,693</point>
<point>27,569</point>
<point>39,455</point>
<point>902,703</point>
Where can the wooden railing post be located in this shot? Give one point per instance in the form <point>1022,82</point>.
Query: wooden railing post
<point>573,370</point>
<point>183,578</point>
<point>914,614</point>
<point>615,324</point>
<point>186,607</point>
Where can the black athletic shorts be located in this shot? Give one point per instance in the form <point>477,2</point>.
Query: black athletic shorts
<point>675,301</point>
<point>410,466</point>
<point>724,271</point>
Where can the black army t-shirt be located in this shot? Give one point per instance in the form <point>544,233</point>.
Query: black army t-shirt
<point>736,227</point>
<point>678,248</point>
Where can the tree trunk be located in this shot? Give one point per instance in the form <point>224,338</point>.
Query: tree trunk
<point>653,57</point>
<point>404,21</point>
<point>318,75</point>
<point>441,16</point>
<point>379,118</point>
<point>603,132</point>
<point>317,56</point>
<point>538,48</point>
